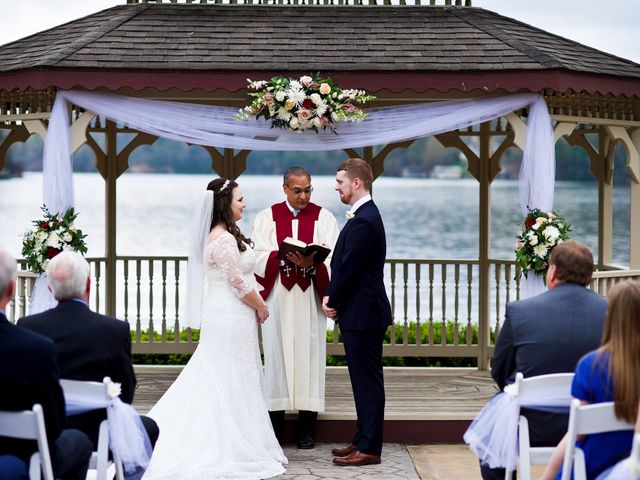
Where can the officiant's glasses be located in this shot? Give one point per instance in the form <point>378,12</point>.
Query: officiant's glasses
<point>300,191</point>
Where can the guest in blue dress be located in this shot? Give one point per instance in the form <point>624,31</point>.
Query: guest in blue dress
<point>609,374</point>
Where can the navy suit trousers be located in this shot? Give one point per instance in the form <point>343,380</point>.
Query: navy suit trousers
<point>364,360</point>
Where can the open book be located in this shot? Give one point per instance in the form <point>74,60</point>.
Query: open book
<point>292,245</point>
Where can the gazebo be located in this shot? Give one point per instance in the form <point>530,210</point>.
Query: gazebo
<point>202,52</point>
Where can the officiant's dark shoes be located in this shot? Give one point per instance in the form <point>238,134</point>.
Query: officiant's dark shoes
<point>306,441</point>
<point>306,431</point>
<point>357,459</point>
<point>343,452</point>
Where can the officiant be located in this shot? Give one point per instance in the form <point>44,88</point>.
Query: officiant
<point>294,338</point>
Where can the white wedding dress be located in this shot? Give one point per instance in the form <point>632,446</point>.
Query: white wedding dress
<point>213,420</point>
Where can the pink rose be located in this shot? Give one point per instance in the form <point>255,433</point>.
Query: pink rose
<point>306,81</point>
<point>304,114</point>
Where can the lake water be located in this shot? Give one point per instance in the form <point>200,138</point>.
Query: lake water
<point>424,218</point>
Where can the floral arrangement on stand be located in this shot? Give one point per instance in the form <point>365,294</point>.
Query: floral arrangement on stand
<point>541,232</point>
<point>309,103</point>
<point>51,235</point>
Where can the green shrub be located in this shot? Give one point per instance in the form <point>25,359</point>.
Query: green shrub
<point>340,360</point>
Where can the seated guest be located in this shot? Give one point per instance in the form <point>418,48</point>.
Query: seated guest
<point>29,375</point>
<point>609,374</point>
<point>90,346</point>
<point>549,333</point>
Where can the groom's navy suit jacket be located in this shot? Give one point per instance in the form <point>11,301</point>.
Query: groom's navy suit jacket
<point>357,292</point>
<point>356,289</point>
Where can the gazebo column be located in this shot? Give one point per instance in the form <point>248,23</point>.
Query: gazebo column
<point>631,145</point>
<point>484,167</point>
<point>110,176</point>
<point>633,164</point>
<point>111,165</point>
<point>602,168</point>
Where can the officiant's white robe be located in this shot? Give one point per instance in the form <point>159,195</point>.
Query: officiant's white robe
<point>294,335</point>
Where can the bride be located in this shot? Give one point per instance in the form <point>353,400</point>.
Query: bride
<point>213,420</point>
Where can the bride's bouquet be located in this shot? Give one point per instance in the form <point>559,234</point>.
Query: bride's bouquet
<point>51,235</point>
<point>541,232</point>
<point>308,103</point>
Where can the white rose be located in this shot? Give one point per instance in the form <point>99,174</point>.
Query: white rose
<point>306,80</point>
<point>294,124</point>
<point>315,98</point>
<point>316,122</point>
<point>533,238</point>
<point>280,95</point>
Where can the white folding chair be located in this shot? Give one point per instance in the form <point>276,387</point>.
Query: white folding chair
<point>532,387</point>
<point>29,425</point>
<point>587,420</point>
<point>99,462</point>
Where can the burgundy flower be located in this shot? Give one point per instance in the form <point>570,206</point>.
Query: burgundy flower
<point>52,252</point>
<point>529,223</point>
<point>308,103</point>
<point>44,225</point>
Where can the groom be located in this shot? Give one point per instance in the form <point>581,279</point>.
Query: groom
<point>357,300</point>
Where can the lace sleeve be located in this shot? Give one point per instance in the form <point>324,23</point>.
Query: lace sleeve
<point>227,256</point>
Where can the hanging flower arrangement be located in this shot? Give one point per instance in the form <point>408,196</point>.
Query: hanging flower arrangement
<point>309,103</point>
<point>51,235</point>
<point>541,232</point>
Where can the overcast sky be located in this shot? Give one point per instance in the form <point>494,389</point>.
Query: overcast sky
<point>608,25</point>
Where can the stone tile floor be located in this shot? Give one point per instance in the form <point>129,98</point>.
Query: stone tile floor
<point>399,462</point>
<point>317,464</point>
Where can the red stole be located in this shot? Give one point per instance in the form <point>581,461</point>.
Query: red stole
<point>289,274</point>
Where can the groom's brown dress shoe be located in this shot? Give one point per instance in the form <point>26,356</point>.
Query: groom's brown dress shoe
<point>343,452</point>
<point>357,459</point>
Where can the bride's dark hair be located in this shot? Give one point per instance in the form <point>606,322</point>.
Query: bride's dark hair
<point>222,195</point>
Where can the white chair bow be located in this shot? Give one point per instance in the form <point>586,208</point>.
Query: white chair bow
<point>493,434</point>
<point>128,440</point>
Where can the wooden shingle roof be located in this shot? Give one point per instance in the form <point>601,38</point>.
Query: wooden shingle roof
<point>217,46</point>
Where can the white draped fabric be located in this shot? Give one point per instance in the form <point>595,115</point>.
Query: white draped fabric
<point>216,126</point>
<point>127,437</point>
<point>493,434</point>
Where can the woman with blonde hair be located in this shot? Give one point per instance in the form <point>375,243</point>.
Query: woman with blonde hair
<point>610,373</point>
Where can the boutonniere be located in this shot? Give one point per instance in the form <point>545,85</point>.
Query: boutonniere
<point>349,214</point>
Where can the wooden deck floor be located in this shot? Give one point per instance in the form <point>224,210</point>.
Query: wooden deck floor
<point>412,393</point>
